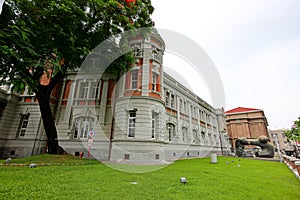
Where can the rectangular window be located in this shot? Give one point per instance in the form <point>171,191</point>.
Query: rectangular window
<point>84,87</point>
<point>126,156</point>
<point>76,130</point>
<point>170,134</point>
<point>94,90</point>
<point>134,79</point>
<point>23,131</point>
<point>184,134</point>
<point>167,98</point>
<point>153,125</point>
<point>191,111</point>
<point>131,124</point>
<point>209,119</point>
<point>172,101</point>
<point>23,124</point>
<point>181,106</point>
<point>154,82</point>
<point>84,129</point>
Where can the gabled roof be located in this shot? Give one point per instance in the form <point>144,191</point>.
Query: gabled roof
<point>241,110</point>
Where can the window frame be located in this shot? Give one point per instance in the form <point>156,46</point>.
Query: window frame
<point>153,125</point>
<point>131,124</point>
<point>83,90</point>
<point>134,82</point>
<point>94,90</point>
<point>24,121</point>
<point>171,131</point>
<point>154,81</point>
<point>82,125</point>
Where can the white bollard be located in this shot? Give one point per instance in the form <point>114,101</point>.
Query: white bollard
<point>214,159</point>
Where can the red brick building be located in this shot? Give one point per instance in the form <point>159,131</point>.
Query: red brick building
<point>247,123</point>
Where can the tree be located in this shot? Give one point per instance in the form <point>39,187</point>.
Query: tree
<point>294,132</point>
<point>40,40</point>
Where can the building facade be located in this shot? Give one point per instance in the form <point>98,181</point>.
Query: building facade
<point>281,142</point>
<point>145,116</point>
<point>249,123</point>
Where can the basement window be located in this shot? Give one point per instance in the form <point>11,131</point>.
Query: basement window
<point>126,156</point>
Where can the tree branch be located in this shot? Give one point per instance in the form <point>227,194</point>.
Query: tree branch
<point>55,79</point>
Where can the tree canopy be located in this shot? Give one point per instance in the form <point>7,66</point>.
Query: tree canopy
<point>294,132</point>
<point>32,31</point>
<point>50,37</point>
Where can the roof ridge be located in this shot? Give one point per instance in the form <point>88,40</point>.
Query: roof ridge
<point>241,109</point>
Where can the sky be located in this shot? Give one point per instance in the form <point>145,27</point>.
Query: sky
<point>254,44</point>
<point>1,3</point>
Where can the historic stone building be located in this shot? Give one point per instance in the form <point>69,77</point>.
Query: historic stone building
<point>145,116</point>
<point>249,123</point>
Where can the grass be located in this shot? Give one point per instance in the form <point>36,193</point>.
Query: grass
<point>254,179</point>
<point>46,159</point>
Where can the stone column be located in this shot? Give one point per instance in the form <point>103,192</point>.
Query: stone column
<point>146,59</point>
<point>103,101</point>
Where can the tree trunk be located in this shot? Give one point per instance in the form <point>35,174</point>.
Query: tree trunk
<point>48,120</point>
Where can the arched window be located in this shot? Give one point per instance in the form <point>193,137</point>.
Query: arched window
<point>209,139</point>
<point>203,136</point>
<point>195,134</point>
<point>184,134</point>
<point>171,131</point>
<point>216,140</point>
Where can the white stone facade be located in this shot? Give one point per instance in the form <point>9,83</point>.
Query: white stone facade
<point>145,117</point>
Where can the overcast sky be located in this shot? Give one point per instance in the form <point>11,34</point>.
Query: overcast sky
<point>254,44</point>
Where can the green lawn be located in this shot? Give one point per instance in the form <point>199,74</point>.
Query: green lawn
<point>254,179</point>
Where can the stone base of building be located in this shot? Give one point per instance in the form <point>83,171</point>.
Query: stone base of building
<point>18,148</point>
<point>145,152</point>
